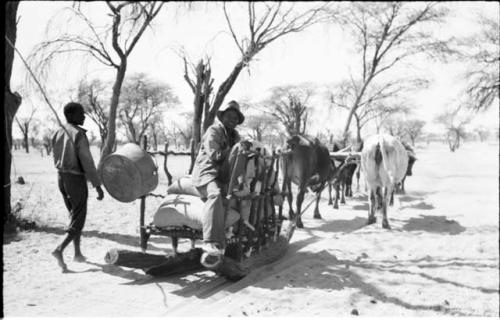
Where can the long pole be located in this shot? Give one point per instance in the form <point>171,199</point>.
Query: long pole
<point>143,206</point>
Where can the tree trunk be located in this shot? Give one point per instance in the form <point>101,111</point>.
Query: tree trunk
<point>26,143</point>
<point>12,101</point>
<point>358,129</point>
<point>354,108</point>
<point>221,94</point>
<point>155,140</point>
<point>115,99</point>
<point>48,148</point>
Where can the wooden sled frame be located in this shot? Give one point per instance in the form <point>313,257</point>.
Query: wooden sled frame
<point>248,239</point>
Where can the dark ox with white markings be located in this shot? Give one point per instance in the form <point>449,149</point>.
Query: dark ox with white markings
<point>306,163</point>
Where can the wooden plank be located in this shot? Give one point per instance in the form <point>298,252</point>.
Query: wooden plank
<point>344,155</point>
<point>179,263</point>
<point>133,259</point>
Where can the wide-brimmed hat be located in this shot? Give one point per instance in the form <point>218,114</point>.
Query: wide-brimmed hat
<point>232,105</point>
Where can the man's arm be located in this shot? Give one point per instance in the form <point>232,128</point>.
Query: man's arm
<point>87,162</point>
<point>213,146</point>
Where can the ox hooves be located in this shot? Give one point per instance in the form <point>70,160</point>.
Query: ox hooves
<point>371,220</point>
<point>335,206</point>
<point>386,225</point>
<point>317,216</point>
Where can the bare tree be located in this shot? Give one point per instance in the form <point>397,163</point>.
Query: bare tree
<point>395,127</point>
<point>386,34</point>
<point>482,132</point>
<point>260,125</point>
<point>380,101</point>
<point>183,131</point>
<point>47,130</point>
<point>92,94</point>
<point>483,85</point>
<point>24,125</point>
<point>110,46</point>
<point>156,130</point>
<point>143,102</point>
<point>290,106</point>
<point>413,129</point>
<point>455,123</point>
<point>267,22</point>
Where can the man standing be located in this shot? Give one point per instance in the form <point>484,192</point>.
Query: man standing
<point>211,177</point>
<point>74,164</point>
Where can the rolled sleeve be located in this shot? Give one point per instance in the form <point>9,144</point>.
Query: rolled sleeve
<point>86,160</point>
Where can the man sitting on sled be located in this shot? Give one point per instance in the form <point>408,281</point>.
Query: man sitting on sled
<point>211,178</point>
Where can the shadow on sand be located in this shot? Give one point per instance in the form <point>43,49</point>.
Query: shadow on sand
<point>125,239</point>
<point>433,224</point>
<point>204,284</point>
<point>324,271</point>
<point>422,205</point>
<point>361,207</point>
<point>345,226</point>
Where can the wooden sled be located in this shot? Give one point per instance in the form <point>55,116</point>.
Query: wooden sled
<point>254,242</point>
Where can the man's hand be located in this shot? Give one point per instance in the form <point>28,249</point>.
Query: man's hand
<point>100,193</point>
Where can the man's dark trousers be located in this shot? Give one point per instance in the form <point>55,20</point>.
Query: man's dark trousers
<point>75,194</point>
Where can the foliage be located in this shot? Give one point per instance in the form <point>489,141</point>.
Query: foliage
<point>404,129</point>
<point>483,85</point>
<point>259,124</point>
<point>413,128</point>
<point>386,34</point>
<point>454,122</point>
<point>267,22</point>
<point>110,45</point>
<point>482,132</point>
<point>290,106</point>
<point>92,95</point>
<point>24,123</point>
<point>143,103</point>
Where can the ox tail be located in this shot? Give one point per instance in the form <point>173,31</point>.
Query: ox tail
<point>378,155</point>
<point>384,157</point>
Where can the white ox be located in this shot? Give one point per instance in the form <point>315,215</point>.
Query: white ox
<point>384,161</point>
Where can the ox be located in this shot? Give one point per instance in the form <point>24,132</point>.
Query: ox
<point>411,161</point>
<point>384,161</point>
<point>400,187</point>
<point>344,172</point>
<point>341,180</point>
<point>306,163</point>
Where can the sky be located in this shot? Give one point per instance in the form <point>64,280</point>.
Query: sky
<point>322,54</point>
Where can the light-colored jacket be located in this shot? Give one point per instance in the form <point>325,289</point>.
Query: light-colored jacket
<point>72,153</point>
<point>211,162</point>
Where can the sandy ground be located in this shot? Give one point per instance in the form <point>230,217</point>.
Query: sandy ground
<point>441,257</point>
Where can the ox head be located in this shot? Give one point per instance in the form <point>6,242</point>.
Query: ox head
<point>411,158</point>
<point>411,161</point>
<point>297,140</point>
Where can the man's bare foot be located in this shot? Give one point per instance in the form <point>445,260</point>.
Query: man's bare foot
<point>79,258</point>
<point>59,257</point>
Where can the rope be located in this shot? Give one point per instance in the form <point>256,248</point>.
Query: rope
<point>42,91</point>
<point>156,195</point>
<point>38,84</point>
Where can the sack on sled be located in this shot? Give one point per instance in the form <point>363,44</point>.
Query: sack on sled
<point>186,210</point>
<point>183,185</point>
